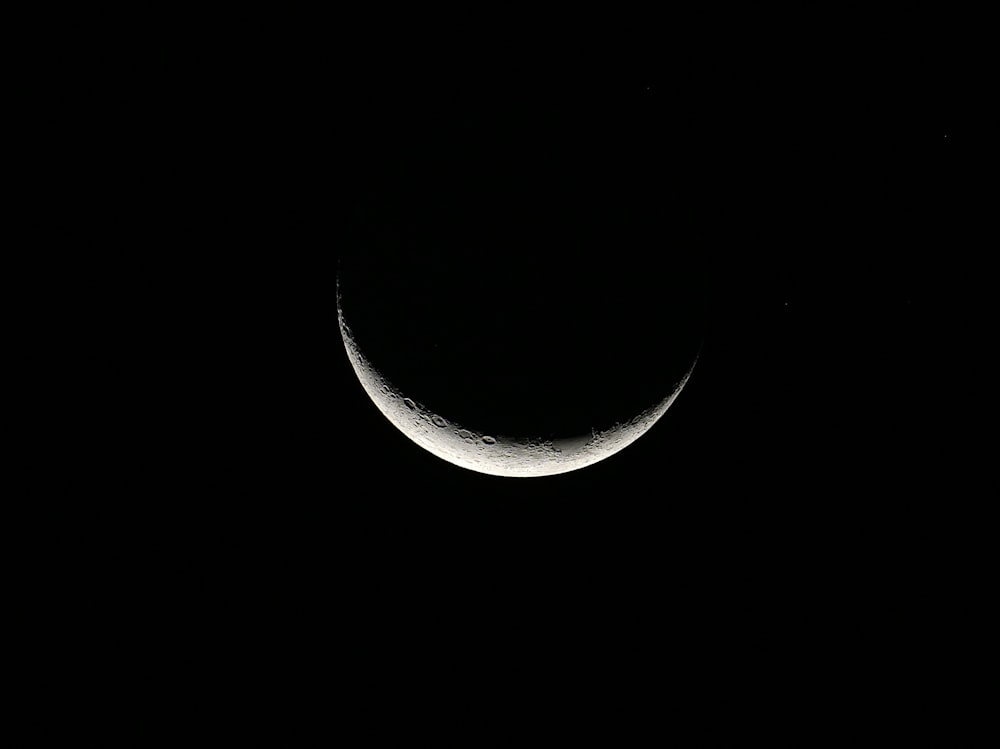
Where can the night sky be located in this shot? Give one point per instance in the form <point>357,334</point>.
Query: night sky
<point>243,531</point>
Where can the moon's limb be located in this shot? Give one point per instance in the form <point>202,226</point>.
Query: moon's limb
<point>495,454</point>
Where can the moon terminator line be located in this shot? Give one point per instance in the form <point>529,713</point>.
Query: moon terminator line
<point>490,453</point>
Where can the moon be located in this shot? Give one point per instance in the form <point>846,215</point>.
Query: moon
<point>523,290</point>
<point>469,446</point>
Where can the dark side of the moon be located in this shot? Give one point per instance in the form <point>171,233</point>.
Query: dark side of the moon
<point>519,277</point>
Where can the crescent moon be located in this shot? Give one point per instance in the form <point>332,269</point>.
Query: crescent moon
<point>494,454</point>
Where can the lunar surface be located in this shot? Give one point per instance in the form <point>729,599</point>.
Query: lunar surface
<point>469,447</point>
<point>527,286</point>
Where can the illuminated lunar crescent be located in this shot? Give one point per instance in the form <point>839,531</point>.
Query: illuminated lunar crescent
<point>491,453</point>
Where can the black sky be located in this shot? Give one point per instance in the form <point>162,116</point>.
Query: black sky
<point>810,510</point>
